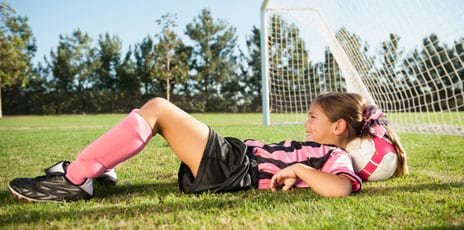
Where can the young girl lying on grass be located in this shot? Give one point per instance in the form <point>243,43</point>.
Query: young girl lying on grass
<point>214,163</point>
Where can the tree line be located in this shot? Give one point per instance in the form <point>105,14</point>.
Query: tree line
<point>209,73</point>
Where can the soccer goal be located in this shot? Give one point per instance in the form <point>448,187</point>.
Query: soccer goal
<point>407,57</point>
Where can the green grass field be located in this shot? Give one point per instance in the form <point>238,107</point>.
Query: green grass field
<point>432,196</point>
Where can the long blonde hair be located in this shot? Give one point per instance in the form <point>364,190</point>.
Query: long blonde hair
<point>350,107</point>
<point>402,167</point>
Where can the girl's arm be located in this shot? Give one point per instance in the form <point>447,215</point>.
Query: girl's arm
<point>325,184</point>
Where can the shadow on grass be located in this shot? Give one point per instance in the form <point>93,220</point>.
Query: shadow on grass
<point>132,201</point>
<point>111,192</point>
<point>163,198</point>
<point>411,188</point>
<point>125,190</point>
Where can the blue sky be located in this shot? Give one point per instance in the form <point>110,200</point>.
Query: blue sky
<point>131,20</point>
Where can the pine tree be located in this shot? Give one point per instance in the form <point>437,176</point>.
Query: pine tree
<point>171,55</point>
<point>17,47</point>
<point>212,57</point>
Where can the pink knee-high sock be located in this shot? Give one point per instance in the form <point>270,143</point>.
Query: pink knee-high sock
<point>118,144</point>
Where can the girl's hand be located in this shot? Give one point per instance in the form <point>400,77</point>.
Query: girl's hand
<point>285,178</point>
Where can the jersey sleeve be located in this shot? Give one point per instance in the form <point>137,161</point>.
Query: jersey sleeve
<point>340,163</point>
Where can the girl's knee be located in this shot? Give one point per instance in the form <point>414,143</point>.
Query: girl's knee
<point>154,104</point>
<point>153,109</point>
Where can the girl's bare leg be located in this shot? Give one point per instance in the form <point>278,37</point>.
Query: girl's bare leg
<point>186,135</point>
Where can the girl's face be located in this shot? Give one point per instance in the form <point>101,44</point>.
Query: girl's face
<point>319,127</point>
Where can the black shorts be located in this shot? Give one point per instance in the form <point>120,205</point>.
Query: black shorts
<point>226,166</point>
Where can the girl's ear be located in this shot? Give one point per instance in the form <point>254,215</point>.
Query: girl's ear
<point>339,127</point>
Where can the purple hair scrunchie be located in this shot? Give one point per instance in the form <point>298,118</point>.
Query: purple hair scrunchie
<point>374,121</point>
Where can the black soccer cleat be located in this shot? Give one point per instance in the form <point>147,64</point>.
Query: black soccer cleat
<point>108,178</point>
<point>53,186</point>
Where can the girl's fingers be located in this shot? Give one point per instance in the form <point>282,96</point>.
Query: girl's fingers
<point>274,183</point>
<point>286,187</point>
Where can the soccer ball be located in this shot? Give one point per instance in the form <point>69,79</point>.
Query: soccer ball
<point>374,158</point>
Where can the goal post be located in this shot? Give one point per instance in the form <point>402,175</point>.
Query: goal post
<point>405,56</point>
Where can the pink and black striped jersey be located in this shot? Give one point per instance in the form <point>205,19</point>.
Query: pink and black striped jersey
<point>273,157</point>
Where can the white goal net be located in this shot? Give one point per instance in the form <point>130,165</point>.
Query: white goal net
<point>407,57</point>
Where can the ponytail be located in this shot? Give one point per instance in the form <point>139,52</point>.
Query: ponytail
<point>376,124</point>
<point>402,165</point>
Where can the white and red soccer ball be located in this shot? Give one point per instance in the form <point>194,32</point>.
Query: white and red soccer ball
<point>374,158</point>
